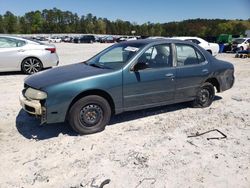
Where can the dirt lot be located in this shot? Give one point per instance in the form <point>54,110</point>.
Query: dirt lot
<point>141,149</point>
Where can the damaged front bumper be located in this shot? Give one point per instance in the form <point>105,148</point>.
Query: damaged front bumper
<point>33,107</point>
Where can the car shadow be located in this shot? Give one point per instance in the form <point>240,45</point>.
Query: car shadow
<point>133,115</point>
<point>30,128</point>
<point>11,73</point>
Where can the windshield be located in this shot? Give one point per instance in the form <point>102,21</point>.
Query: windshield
<point>116,56</point>
<point>238,41</point>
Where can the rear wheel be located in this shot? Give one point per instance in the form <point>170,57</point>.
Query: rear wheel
<point>31,65</point>
<point>89,115</point>
<point>205,96</point>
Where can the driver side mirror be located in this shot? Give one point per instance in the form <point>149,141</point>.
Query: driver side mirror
<point>139,66</point>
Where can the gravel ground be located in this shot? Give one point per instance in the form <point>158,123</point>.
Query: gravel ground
<point>142,149</point>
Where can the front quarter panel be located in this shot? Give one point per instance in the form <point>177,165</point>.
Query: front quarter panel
<point>61,95</point>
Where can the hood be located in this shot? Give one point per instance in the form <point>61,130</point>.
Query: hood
<point>63,74</point>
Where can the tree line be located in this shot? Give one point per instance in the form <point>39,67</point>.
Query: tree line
<point>58,21</point>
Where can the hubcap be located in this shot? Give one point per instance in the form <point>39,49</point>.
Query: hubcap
<point>31,65</point>
<point>90,115</point>
<point>204,96</point>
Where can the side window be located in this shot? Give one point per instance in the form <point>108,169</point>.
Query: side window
<point>157,56</point>
<point>187,55</point>
<point>3,43</point>
<point>10,43</point>
<point>20,43</point>
<point>196,41</point>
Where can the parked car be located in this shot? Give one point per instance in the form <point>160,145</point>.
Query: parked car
<point>85,39</point>
<point>28,56</point>
<point>212,48</point>
<point>67,39</point>
<point>76,40</point>
<point>107,39</point>
<point>127,76</point>
<point>240,44</point>
<point>125,38</point>
<point>55,39</point>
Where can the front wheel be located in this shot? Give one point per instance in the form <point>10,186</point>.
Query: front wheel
<point>205,96</point>
<point>89,115</point>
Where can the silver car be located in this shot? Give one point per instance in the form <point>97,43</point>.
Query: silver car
<point>18,54</point>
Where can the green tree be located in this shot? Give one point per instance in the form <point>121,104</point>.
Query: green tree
<point>100,26</point>
<point>1,24</point>
<point>10,23</point>
<point>33,22</point>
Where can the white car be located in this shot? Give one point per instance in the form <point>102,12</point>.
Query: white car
<point>18,54</point>
<point>212,48</point>
<point>240,44</point>
<point>126,38</point>
<point>55,39</point>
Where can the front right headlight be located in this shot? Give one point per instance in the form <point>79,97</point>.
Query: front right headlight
<point>35,94</point>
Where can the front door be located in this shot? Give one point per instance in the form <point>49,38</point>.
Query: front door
<point>152,81</point>
<point>10,50</point>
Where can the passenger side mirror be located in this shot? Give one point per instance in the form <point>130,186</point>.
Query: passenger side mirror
<point>139,66</point>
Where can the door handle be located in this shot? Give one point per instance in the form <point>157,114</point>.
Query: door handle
<point>205,71</point>
<point>21,50</point>
<point>170,75</point>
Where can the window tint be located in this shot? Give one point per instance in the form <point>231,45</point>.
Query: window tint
<point>187,55</point>
<point>157,56</point>
<point>10,43</point>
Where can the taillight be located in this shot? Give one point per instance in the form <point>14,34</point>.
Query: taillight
<point>52,50</point>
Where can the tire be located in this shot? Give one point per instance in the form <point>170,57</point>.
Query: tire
<point>205,96</point>
<point>89,115</point>
<point>31,65</point>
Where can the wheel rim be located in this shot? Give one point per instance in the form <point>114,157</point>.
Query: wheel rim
<point>91,115</point>
<point>204,96</point>
<point>31,65</point>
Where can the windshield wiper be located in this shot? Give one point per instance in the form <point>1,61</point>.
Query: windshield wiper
<point>95,65</point>
<point>99,66</point>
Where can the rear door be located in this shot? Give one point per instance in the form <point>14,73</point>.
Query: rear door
<point>191,71</point>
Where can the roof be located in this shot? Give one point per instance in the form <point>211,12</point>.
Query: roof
<point>150,41</point>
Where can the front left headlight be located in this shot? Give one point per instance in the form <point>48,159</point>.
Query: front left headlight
<point>35,94</point>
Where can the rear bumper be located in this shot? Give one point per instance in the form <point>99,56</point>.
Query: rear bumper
<point>227,80</point>
<point>33,107</point>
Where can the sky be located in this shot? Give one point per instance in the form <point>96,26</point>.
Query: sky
<point>138,11</point>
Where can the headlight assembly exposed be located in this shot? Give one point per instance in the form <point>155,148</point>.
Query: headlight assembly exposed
<point>35,94</point>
